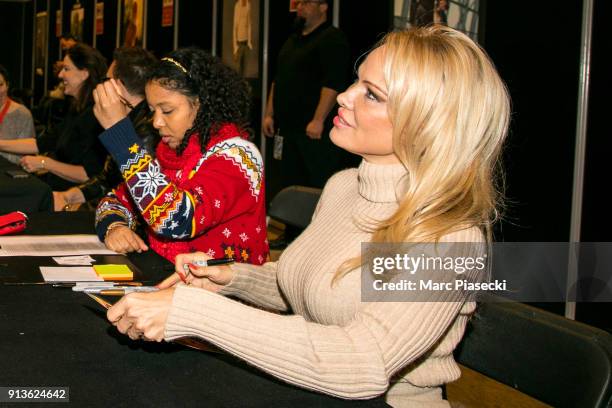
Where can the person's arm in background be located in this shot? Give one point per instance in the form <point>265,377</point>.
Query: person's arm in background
<point>335,55</point>
<point>327,101</point>
<point>19,146</point>
<point>268,121</point>
<point>71,172</point>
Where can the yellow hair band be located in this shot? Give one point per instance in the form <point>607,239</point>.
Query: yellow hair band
<point>175,62</point>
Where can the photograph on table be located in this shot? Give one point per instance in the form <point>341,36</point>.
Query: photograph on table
<point>132,26</point>
<point>240,48</point>
<point>461,15</point>
<point>77,15</point>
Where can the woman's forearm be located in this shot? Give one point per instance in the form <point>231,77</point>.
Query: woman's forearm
<point>19,146</point>
<point>70,172</point>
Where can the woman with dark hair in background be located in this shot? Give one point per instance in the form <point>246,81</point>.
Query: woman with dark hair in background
<point>204,191</point>
<point>69,153</point>
<point>15,119</point>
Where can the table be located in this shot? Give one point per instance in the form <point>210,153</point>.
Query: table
<point>28,194</point>
<point>56,337</point>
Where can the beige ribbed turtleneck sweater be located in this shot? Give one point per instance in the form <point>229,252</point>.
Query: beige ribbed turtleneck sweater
<point>332,342</point>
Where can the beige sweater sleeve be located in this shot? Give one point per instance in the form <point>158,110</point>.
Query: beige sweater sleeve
<point>354,361</point>
<point>256,285</point>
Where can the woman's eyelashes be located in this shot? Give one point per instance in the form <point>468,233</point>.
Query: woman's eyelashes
<point>371,95</point>
<point>163,111</point>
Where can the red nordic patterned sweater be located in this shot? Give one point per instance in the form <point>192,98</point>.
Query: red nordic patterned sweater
<point>211,202</point>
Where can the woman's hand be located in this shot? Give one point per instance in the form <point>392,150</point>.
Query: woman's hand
<point>211,278</point>
<point>122,239</point>
<point>268,126</point>
<point>60,202</point>
<point>68,200</point>
<point>142,315</point>
<point>32,163</point>
<point>109,108</point>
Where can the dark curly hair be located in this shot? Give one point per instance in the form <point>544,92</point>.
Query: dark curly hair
<point>85,57</point>
<point>223,94</point>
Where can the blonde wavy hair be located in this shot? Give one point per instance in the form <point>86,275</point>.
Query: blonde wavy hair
<point>450,111</point>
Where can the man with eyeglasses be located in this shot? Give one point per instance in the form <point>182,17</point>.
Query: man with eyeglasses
<point>131,68</point>
<point>311,69</point>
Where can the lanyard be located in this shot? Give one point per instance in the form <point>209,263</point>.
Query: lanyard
<point>4,110</point>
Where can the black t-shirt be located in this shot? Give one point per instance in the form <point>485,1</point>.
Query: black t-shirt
<point>306,63</point>
<point>75,141</point>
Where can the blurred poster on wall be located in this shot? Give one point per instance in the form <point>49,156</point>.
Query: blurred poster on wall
<point>167,13</point>
<point>240,48</point>
<point>99,18</point>
<point>77,15</point>
<point>292,6</point>
<point>461,15</point>
<point>133,23</point>
<point>40,52</point>
<point>58,23</point>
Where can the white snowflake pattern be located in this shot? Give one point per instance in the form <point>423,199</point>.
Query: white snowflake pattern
<point>258,229</point>
<point>244,237</point>
<point>226,232</point>
<point>211,252</point>
<point>217,203</point>
<point>150,181</point>
<point>168,197</point>
<point>173,225</point>
<point>202,219</point>
<point>260,259</point>
<point>199,190</point>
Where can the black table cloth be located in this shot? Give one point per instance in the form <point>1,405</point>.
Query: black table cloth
<point>29,194</point>
<point>57,337</point>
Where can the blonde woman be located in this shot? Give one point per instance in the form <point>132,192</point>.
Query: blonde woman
<point>428,114</point>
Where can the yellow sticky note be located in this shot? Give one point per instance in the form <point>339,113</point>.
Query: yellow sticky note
<point>114,272</point>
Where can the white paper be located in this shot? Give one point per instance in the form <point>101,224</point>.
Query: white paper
<point>69,274</point>
<point>52,245</point>
<point>74,260</point>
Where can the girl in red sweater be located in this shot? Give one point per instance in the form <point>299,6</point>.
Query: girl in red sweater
<point>204,191</point>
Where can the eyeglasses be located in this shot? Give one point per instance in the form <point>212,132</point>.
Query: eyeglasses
<point>123,100</point>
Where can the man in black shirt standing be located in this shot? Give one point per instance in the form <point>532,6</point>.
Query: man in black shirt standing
<point>312,68</point>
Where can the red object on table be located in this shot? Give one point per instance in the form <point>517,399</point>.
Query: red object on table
<point>13,222</point>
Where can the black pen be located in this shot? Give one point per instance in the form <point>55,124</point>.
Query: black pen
<point>213,262</point>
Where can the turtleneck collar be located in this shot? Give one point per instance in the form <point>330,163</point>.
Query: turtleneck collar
<point>381,183</point>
